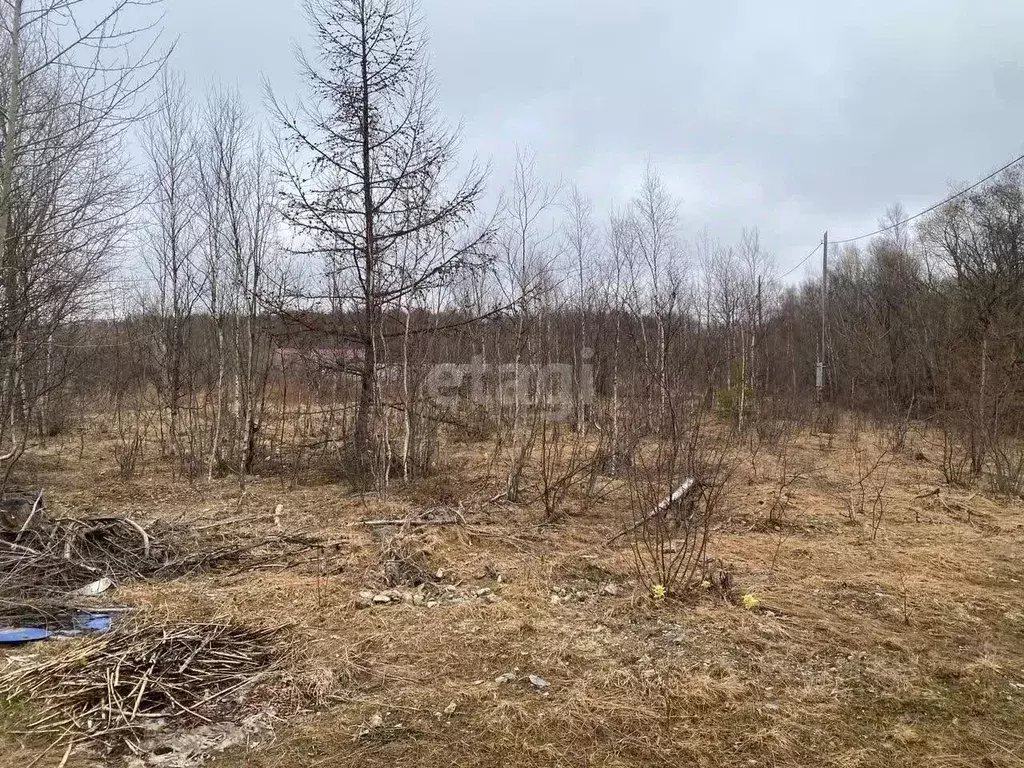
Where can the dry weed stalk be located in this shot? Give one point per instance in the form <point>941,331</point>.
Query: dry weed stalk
<point>861,491</point>
<point>904,594</point>
<point>403,560</point>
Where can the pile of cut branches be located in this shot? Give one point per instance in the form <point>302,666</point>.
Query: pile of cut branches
<point>35,586</point>
<point>65,551</point>
<point>42,564</point>
<point>117,547</point>
<point>114,688</point>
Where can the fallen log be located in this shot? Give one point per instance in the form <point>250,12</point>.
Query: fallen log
<point>400,521</point>
<point>663,506</point>
<point>36,506</point>
<point>444,515</point>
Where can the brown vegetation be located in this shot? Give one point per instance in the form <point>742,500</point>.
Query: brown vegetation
<point>439,442</point>
<point>865,648</point>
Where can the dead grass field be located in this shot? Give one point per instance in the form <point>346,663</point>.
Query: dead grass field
<point>908,650</point>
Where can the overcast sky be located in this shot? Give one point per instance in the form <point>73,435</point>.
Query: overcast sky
<point>794,116</point>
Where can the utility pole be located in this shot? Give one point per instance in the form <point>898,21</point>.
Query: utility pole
<point>820,380</point>
<point>757,340</point>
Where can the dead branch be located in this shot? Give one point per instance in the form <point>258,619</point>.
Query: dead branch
<point>411,522</point>
<point>673,498</point>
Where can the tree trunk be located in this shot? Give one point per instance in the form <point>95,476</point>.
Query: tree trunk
<point>8,258</point>
<point>368,378</point>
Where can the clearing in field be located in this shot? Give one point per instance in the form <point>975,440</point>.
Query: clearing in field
<point>844,620</point>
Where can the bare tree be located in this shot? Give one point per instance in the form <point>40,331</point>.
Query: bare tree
<point>757,289</point>
<point>528,244</point>
<point>241,265</point>
<point>582,245</point>
<point>71,74</point>
<point>658,282</point>
<point>621,244</point>
<point>980,239</point>
<point>368,167</point>
<point>173,238</point>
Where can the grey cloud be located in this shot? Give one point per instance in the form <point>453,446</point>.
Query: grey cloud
<point>791,116</point>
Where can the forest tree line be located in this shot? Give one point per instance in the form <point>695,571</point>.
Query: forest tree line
<point>344,235</point>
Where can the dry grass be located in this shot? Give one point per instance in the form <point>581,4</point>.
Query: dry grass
<point>905,650</point>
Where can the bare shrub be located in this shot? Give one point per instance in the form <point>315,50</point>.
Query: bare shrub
<point>897,429</point>
<point>567,460</point>
<point>771,430</point>
<point>420,444</point>
<point>521,446</point>
<point>827,422</point>
<point>957,460</point>
<point>403,560</point>
<point>1008,467</point>
<point>867,492</point>
<point>476,424</point>
<point>671,543</point>
<point>783,482</point>
<point>127,452</point>
<point>878,509</point>
<point>132,434</point>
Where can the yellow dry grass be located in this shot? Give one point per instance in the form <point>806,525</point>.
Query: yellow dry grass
<point>905,650</point>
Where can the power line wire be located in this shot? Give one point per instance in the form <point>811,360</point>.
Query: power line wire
<point>928,210</point>
<point>803,261</point>
<point>909,219</point>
